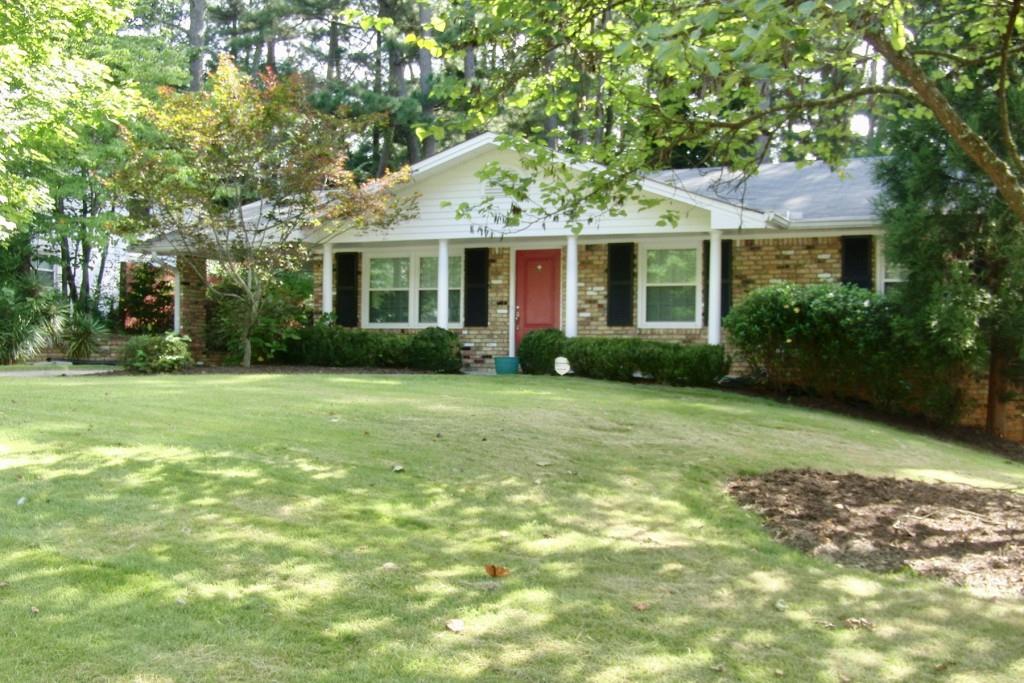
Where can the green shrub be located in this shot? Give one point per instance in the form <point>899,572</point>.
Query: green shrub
<point>284,312</point>
<point>625,359</point>
<point>83,335</point>
<point>539,349</point>
<point>29,323</point>
<point>845,342</point>
<point>150,353</point>
<point>436,350</point>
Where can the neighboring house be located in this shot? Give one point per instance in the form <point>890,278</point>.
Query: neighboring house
<point>626,276</point>
<point>47,269</point>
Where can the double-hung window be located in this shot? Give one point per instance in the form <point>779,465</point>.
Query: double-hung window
<point>428,290</point>
<point>670,287</point>
<point>389,289</point>
<point>401,290</point>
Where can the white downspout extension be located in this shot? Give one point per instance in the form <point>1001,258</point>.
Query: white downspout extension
<point>442,284</point>
<point>571,287</point>
<point>715,289</point>
<point>177,301</point>
<point>327,296</point>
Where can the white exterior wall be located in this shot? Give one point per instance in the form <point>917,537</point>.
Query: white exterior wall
<point>442,192</point>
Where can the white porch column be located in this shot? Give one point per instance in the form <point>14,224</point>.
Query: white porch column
<point>327,296</point>
<point>177,301</point>
<point>442,284</point>
<point>572,279</point>
<point>715,289</point>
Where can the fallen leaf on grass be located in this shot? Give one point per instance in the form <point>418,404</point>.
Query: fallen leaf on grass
<point>455,625</point>
<point>825,623</point>
<point>33,610</point>
<point>641,606</point>
<point>496,570</point>
<point>397,468</point>
<point>857,623</point>
<point>780,673</point>
<point>781,605</point>
<point>388,567</point>
<point>543,463</point>
<point>4,584</point>
<point>717,667</point>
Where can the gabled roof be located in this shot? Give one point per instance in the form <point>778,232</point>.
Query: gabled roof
<point>727,213</point>
<point>812,194</point>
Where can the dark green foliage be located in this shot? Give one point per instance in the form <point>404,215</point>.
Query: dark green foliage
<point>149,353</point>
<point>842,341</point>
<point>28,324</point>
<point>624,359</point>
<point>538,350</point>
<point>435,349</point>
<point>328,345</point>
<point>147,299</point>
<point>83,335</point>
<point>284,311</point>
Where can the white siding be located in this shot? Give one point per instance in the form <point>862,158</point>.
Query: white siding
<point>458,183</point>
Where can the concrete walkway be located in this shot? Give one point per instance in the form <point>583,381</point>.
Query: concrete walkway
<point>56,371</point>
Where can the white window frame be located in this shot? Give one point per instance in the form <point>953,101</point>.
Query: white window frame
<point>882,278</point>
<point>48,267</point>
<point>452,253</point>
<point>641,295</point>
<point>414,255</point>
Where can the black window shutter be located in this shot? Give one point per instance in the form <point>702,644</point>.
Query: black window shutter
<point>857,261</point>
<point>705,277</point>
<point>620,284</point>
<point>477,279</point>
<point>346,298</point>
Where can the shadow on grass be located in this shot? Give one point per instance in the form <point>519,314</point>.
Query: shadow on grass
<point>261,556</point>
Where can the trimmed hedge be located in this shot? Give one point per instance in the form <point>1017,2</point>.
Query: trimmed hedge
<point>624,359</point>
<point>149,353</point>
<point>842,341</point>
<point>329,345</point>
<point>539,349</point>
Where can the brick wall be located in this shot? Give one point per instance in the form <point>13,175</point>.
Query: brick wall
<point>193,303</point>
<point>802,260</point>
<point>976,408</point>
<point>317,266</point>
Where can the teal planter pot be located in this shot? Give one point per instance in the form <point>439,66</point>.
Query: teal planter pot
<point>506,365</point>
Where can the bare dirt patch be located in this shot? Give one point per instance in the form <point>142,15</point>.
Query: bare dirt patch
<point>963,535</point>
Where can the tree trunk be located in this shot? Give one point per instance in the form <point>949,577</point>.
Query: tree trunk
<point>333,58</point>
<point>67,273</point>
<point>426,76</point>
<point>246,352</point>
<point>196,40</point>
<point>85,290</point>
<point>271,62</point>
<point>102,269</point>
<point>1000,358</point>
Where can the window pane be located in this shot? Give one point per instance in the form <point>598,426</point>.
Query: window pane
<point>428,305</point>
<point>454,305</point>
<point>428,272</point>
<point>671,304</point>
<point>389,273</point>
<point>389,307</point>
<point>671,265</point>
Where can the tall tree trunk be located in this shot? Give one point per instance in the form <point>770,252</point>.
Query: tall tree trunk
<point>271,62</point>
<point>426,76</point>
<point>101,271</point>
<point>396,88</point>
<point>85,289</point>
<point>333,58</point>
<point>67,273</point>
<point>378,88</point>
<point>196,40</point>
<point>1000,358</point>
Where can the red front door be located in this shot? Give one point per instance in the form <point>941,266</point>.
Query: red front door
<point>538,290</point>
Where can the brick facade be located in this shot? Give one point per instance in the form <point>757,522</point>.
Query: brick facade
<point>481,344</point>
<point>193,303</point>
<point>802,260</point>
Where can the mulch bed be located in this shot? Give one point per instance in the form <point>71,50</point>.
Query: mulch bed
<point>962,535</point>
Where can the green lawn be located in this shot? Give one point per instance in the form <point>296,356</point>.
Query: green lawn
<point>233,528</point>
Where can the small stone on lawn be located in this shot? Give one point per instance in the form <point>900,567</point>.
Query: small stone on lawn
<point>455,625</point>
